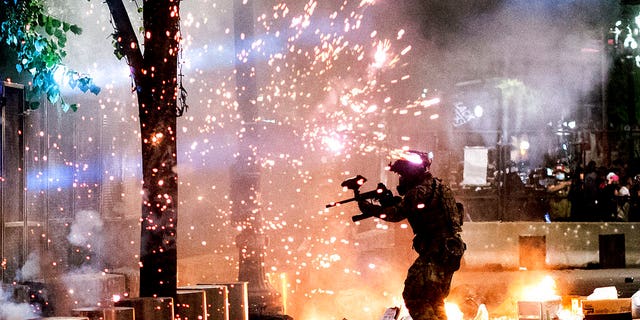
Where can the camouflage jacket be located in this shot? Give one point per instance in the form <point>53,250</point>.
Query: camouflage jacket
<point>430,208</point>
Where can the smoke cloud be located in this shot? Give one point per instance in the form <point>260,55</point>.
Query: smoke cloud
<point>86,235</point>
<point>85,228</point>
<point>31,268</point>
<point>10,310</point>
<point>536,63</point>
<point>84,285</point>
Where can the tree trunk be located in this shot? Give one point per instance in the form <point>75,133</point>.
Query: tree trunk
<point>155,78</point>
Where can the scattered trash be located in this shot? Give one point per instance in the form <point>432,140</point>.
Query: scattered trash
<point>635,305</point>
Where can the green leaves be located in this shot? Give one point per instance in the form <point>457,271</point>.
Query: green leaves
<point>75,29</point>
<point>58,29</point>
<point>118,49</point>
<point>38,42</point>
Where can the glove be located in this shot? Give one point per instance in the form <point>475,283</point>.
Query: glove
<point>369,209</point>
<point>386,197</point>
<point>390,201</point>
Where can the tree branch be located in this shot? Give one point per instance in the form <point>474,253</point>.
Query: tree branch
<point>127,37</point>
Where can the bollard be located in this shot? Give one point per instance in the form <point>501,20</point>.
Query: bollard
<point>238,299</point>
<point>148,308</point>
<point>110,313</point>
<point>217,300</point>
<point>190,305</point>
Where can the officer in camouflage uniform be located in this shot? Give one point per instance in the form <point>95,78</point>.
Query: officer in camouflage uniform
<point>436,221</point>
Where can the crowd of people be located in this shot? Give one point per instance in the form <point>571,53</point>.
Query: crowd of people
<point>595,194</point>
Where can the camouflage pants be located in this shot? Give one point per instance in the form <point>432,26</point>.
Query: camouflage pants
<point>425,288</point>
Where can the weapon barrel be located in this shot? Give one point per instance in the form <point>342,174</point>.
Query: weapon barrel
<point>362,196</point>
<point>333,204</point>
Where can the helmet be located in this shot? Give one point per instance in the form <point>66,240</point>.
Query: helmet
<point>412,162</point>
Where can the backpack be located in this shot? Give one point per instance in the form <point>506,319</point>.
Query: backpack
<point>454,246</point>
<point>454,210</point>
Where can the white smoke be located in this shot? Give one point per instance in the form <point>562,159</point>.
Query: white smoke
<point>31,268</point>
<point>84,229</point>
<point>86,238</point>
<point>10,310</point>
<point>84,287</point>
<point>84,284</point>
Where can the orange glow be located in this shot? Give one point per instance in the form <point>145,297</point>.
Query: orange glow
<point>453,311</point>
<point>543,291</point>
<point>157,138</point>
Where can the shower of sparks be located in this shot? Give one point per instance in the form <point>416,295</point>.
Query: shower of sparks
<point>327,96</point>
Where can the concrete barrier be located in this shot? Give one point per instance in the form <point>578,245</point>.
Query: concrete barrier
<point>217,300</point>
<point>79,290</point>
<point>98,313</point>
<point>147,308</point>
<point>190,305</point>
<point>568,244</point>
<point>238,299</point>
